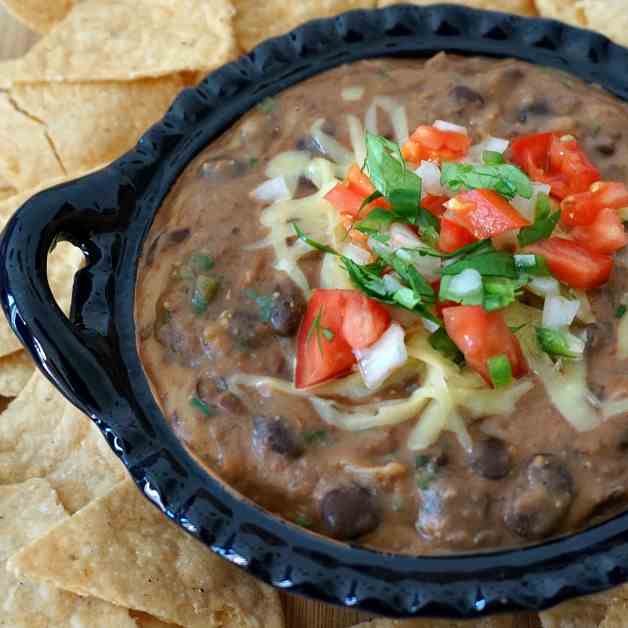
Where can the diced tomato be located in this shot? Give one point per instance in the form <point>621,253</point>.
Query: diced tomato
<point>453,236</point>
<point>357,237</point>
<point>360,181</point>
<point>484,213</point>
<point>346,200</point>
<point>435,204</point>
<point>428,142</point>
<point>555,159</point>
<point>572,263</point>
<point>582,209</point>
<point>605,235</point>
<point>336,322</point>
<point>482,335</point>
<point>364,321</point>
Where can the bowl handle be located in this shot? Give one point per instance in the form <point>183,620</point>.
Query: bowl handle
<point>74,353</point>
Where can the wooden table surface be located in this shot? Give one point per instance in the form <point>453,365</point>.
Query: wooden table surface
<point>15,40</point>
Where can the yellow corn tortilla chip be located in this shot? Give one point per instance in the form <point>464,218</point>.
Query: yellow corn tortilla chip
<point>501,621</point>
<point>27,156</point>
<point>521,7</point>
<point>39,15</point>
<point>169,575</point>
<point>92,124</point>
<point>6,193</point>
<point>256,21</point>
<point>609,17</point>
<point>28,511</point>
<point>123,40</point>
<point>15,371</point>
<point>617,615</point>
<point>41,435</point>
<point>586,612</point>
<point>147,621</point>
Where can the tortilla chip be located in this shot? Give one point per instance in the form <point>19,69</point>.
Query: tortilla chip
<point>15,371</point>
<point>585,612</point>
<point>521,7</point>
<point>609,18</point>
<point>617,615</point>
<point>6,193</point>
<point>256,21</point>
<point>123,550</point>
<point>28,511</point>
<point>501,621</point>
<point>41,435</point>
<point>92,124</point>
<point>40,15</point>
<point>123,40</point>
<point>147,621</point>
<point>27,156</point>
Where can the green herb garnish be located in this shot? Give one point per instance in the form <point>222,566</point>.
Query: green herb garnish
<point>492,158</point>
<point>204,291</point>
<point>505,179</point>
<point>620,311</point>
<point>315,438</point>
<point>559,344</point>
<point>440,341</point>
<point>267,105</point>
<point>264,303</point>
<point>500,371</point>
<point>201,406</point>
<point>531,264</point>
<point>544,223</point>
<point>487,263</point>
<point>316,329</point>
<point>500,292</point>
<point>426,473</point>
<point>303,521</point>
<point>201,263</point>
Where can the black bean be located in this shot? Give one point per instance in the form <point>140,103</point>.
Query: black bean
<point>286,312</point>
<point>541,498</point>
<point>465,95</point>
<point>349,512</point>
<point>223,169</point>
<point>275,434</point>
<point>490,458</point>
<point>536,108</point>
<point>178,236</point>
<point>246,329</point>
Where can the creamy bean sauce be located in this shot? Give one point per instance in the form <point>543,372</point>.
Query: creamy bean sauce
<point>209,308</point>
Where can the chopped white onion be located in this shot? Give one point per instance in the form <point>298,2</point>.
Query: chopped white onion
<point>397,114</point>
<point>541,188</point>
<point>430,178</point>
<point>525,206</point>
<point>443,125</point>
<point>356,133</point>
<point>352,93</point>
<point>429,325</point>
<point>494,144</point>
<point>391,281</point>
<point>380,360</point>
<point>357,254</point>
<point>402,237</point>
<point>544,286</point>
<point>466,283</point>
<point>272,191</point>
<point>330,147</point>
<point>559,312</point>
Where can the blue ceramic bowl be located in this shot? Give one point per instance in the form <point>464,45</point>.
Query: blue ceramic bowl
<point>92,356</point>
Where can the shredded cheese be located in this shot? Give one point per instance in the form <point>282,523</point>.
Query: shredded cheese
<point>398,118</point>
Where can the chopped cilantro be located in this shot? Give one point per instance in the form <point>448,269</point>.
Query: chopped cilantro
<point>559,344</point>
<point>303,521</point>
<point>315,437</point>
<point>204,291</point>
<point>440,341</point>
<point>620,311</point>
<point>544,223</point>
<point>264,303</point>
<point>505,179</point>
<point>500,371</point>
<point>267,105</point>
<point>201,406</point>
<point>492,158</point>
<point>201,263</point>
